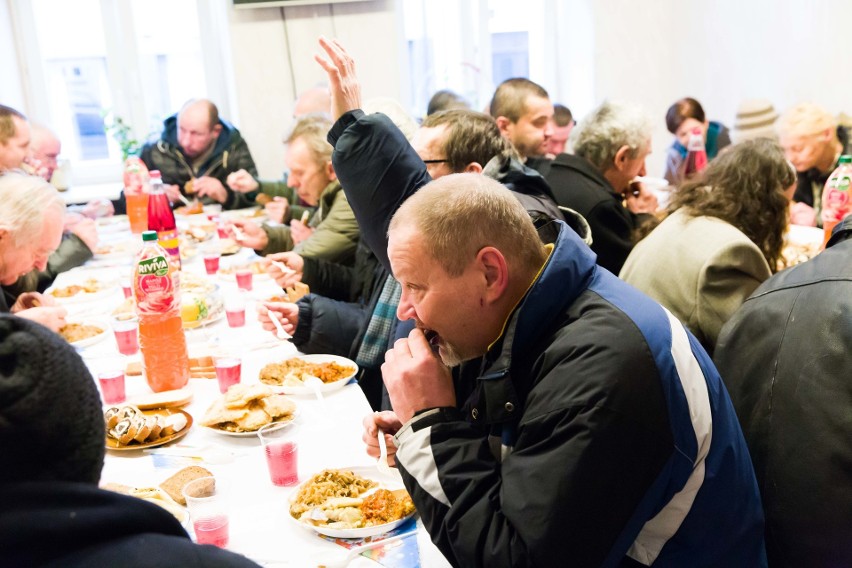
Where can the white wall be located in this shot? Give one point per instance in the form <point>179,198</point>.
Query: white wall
<point>273,50</point>
<point>720,53</point>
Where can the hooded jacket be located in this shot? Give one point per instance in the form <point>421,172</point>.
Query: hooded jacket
<point>595,430</point>
<point>230,153</point>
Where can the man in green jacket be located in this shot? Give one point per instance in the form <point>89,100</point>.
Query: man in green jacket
<point>331,232</point>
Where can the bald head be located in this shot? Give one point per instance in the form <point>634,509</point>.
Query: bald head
<point>198,127</point>
<point>44,147</point>
<point>316,99</point>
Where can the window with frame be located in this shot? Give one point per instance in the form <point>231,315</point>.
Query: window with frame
<point>93,62</point>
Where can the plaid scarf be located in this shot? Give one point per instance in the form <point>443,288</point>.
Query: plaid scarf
<point>375,341</point>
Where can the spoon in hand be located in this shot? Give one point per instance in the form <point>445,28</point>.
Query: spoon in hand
<point>382,464</point>
<point>280,334</point>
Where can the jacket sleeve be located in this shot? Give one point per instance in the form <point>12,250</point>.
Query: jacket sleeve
<point>336,237</point>
<point>612,236</point>
<point>378,170</point>
<point>568,489</point>
<point>329,279</point>
<point>279,239</point>
<point>327,326</point>
<point>726,280</point>
<point>72,252</point>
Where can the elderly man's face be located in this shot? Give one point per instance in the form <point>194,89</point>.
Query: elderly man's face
<point>443,306</point>
<point>46,152</point>
<point>429,143</point>
<point>530,133</point>
<point>805,151</point>
<point>195,133</point>
<point>15,261</point>
<point>16,148</point>
<point>307,177</point>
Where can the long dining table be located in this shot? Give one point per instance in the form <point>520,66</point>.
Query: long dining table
<point>328,429</point>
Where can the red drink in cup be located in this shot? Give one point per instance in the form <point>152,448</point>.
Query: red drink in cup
<point>282,460</point>
<point>211,263</point>
<point>112,386</point>
<point>244,278</point>
<point>222,231</point>
<point>127,289</point>
<point>228,372</point>
<point>236,316</point>
<point>213,530</point>
<point>126,335</point>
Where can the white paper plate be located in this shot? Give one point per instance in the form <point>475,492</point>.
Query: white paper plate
<point>326,387</point>
<point>107,289</point>
<point>373,474</point>
<point>95,338</point>
<point>280,426</point>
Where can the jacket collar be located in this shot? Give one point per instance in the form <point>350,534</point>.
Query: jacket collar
<point>566,274</point>
<point>586,169</point>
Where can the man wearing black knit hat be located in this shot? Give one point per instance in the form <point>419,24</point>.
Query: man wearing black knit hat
<point>52,443</point>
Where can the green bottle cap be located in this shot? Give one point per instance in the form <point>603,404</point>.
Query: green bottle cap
<point>149,236</point>
<point>845,159</point>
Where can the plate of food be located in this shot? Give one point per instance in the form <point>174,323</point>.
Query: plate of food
<point>129,428</point>
<point>83,334</point>
<point>289,375</point>
<point>256,267</point>
<point>251,213</point>
<point>801,244</point>
<point>198,310</point>
<point>87,290</point>
<point>244,409</point>
<point>354,502</point>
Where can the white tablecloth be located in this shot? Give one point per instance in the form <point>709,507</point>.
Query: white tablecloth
<point>329,434</point>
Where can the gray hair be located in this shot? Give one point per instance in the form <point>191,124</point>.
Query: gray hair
<point>25,199</point>
<point>609,127</point>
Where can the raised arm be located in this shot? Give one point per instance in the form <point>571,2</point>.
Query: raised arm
<point>373,160</point>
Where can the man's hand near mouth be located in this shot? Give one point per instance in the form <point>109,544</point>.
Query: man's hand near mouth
<point>415,376</point>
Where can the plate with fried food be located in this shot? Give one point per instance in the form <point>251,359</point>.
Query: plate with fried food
<point>256,267</point>
<point>289,375</point>
<point>244,409</point>
<point>129,428</point>
<point>83,291</point>
<point>355,502</point>
<point>800,245</point>
<point>83,334</point>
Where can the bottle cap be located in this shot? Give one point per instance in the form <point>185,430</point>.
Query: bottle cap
<point>149,236</point>
<point>845,159</point>
<point>154,173</point>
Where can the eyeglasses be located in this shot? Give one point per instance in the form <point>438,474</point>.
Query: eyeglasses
<point>435,161</point>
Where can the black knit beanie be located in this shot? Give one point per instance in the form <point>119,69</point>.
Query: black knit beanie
<point>51,421</point>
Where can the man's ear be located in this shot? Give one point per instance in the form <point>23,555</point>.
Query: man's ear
<point>621,157</point>
<point>503,124</point>
<point>495,272</point>
<point>329,171</point>
<point>217,130</point>
<point>472,168</point>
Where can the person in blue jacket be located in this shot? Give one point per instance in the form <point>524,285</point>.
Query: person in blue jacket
<point>543,410</point>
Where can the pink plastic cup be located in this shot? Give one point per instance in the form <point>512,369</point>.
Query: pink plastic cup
<point>126,331</point>
<point>282,454</point>
<point>228,372</point>
<point>127,289</point>
<point>211,263</point>
<point>112,386</point>
<point>244,279</point>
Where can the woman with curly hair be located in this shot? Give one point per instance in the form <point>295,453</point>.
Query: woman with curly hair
<point>722,237</point>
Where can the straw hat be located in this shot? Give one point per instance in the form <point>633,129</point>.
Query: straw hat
<point>755,119</point>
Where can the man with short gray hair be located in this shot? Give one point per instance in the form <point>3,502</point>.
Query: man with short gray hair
<point>610,147</point>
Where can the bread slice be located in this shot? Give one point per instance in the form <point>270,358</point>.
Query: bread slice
<point>145,426</point>
<point>174,485</point>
